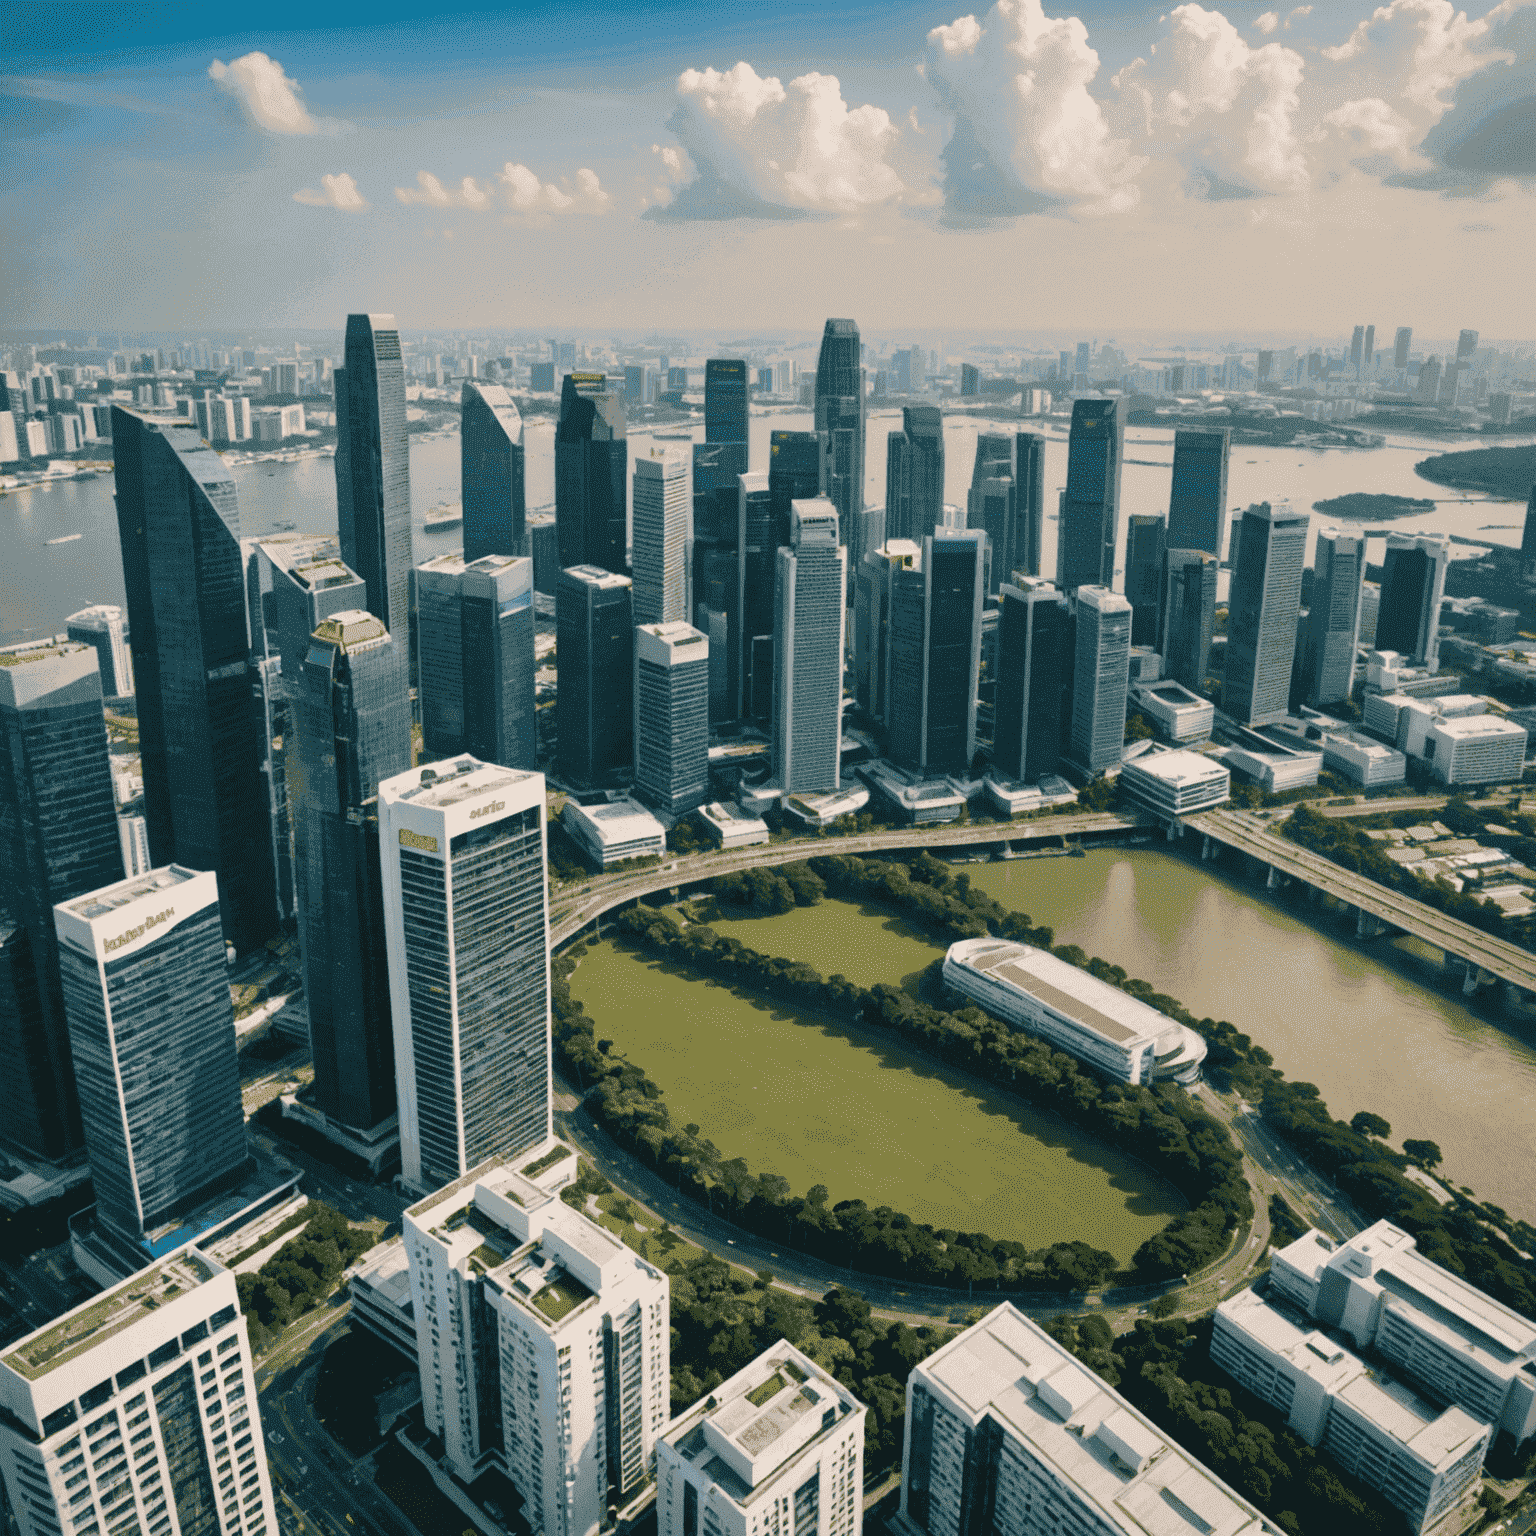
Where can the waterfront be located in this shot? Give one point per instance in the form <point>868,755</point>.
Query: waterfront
<point>823,1102</point>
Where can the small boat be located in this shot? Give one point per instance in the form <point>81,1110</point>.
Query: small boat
<point>67,538</point>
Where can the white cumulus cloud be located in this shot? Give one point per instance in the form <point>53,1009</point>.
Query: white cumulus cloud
<point>1267,22</point>
<point>1421,48</point>
<point>524,193</point>
<point>271,100</point>
<point>429,192</point>
<point>338,191</point>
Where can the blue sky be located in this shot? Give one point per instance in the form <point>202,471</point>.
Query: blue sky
<point>1241,168</point>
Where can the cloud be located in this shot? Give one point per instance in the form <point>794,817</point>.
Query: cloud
<point>429,192</point>
<point>1422,46</point>
<point>1267,22</point>
<point>271,100</point>
<point>1218,113</point>
<point>514,188</point>
<point>338,191</point>
<point>761,150</point>
<point>1028,135</point>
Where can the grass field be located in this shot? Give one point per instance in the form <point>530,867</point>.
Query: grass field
<point>823,1102</point>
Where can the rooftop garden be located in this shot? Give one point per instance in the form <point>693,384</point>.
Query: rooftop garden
<point>761,1393</point>
<point>555,1154</point>
<point>561,1297</point>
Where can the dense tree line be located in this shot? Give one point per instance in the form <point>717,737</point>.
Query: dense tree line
<point>301,1274</point>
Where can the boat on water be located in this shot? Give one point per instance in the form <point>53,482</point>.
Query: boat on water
<point>65,538</point>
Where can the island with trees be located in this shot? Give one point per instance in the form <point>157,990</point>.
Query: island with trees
<point>1509,473</point>
<point>1365,506</point>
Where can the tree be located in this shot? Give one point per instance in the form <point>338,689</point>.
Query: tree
<point>1137,729</point>
<point>1425,1153</point>
<point>1368,1124</point>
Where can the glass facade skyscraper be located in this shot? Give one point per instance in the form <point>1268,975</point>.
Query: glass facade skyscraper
<point>200,730</point>
<point>1189,616</point>
<point>491,471</point>
<point>840,430</point>
<point>660,561</point>
<point>152,1028</point>
<point>58,839</point>
<point>466,918</point>
<point>725,403</point>
<point>809,592</point>
<point>1101,675</point>
<point>1028,531</point>
<point>1263,606</point>
<point>1333,619</point>
<point>759,557</point>
<point>1412,590</point>
<point>594,663</point>
<point>1145,543</point>
<point>794,474</point>
<point>671,716</point>
<point>591,474</point>
<point>914,474</point>
<point>1197,500</point>
<point>1089,523</point>
<point>989,505</point>
<point>717,569</point>
<point>1034,680</point>
<point>373,467</point>
<point>873,589</point>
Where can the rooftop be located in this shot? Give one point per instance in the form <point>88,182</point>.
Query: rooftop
<point>464,779</point>
<point>20,657</point>
<point>1178,768</point>
<point>1437,1437</point>
<point>110,897</point>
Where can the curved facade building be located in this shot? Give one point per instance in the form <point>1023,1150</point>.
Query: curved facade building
<point>1105,1028</point>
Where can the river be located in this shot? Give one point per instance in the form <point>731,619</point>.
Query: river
<point>40,585</point>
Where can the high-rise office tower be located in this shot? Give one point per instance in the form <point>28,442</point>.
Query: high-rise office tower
<point>1263,604</point>
<point>1101,676</point>
<point>794,474</point>
<point>591,466</point>
<point>466,921</point>
<point>989,504</point>
<point>914,474</point>
<point>1369,353</point>
<point>661,537</point>
<point>1146,540</point>
<point>1412,590</point>
<point>13,402</point>
<point>1028,529</point>
<point>58,839</point>
<point>1089,523</point>
<point>373,467</point>
<point>354,729</point>
<point>936,653</point>
<point>1466,345</point>
<point>759,559</point>
<point>561,1381</point>
<point>1357,347</point>
<point>152,1029</point>
<point>1188,616</point>
<point>1429,380</point>
<point>872,621</point>
<point>153,1378</point>
<point>1333,620</point>
<point>1402,344</point>
<point>840,431</point>
<point>491,471</point>
<point>200,734</point>
<point>671,716</point>
<point>104,629</point>
<point>809,587</point>
<point>725,403</point>
<point>1197,500</point>
<point>594,663</point>
<point>475,658</point>
<point>1034,680</point>
<point>716,563</point>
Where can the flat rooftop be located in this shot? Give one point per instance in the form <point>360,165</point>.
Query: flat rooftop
<point>467,779</point>
<point>1178,768</point>
<point>110,897</point>
<point>1439,1438</point>
<point>31,653</point>
<point>101,1317</point>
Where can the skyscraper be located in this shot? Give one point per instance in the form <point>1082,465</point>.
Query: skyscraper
<point>809,587</point>
<point>354,730</point>
<point>1197,501</point>
<point>1333,620</point>
<point>1369,353</point>
<point>594,661</point>
<point>1101,675</point>
<point>717,569</point>
<point>152,1029</point>
<point>1402,344</point>
<point>794,474</point>
<point>1089,522</point>
<point>1264,602</point>
<point>373,468</point>
<point>1466,345</point>
<point>759,559</point>
<point>200,734</point>
<point>1027,532</point>
<point>661,536</point>
<point>914,474</point>
<point>872,621</point>
<point>1034,679</point>
<point>840,430</point>
<point>1145,543</point>
<point>1356,347</point>
<point>989,504</point>
<point>591,465</point>
<point>1188,616</point>
<point>932,718</point>
<point>466,920</point>
<point>671,716</point>
<point>725,403</point>
<point>491,471</point>
<point>102,627</point>
<point>58,839</point>
<point>1412,590</point>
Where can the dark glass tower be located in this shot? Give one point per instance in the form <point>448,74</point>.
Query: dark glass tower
<point>810,588</point>
<point>152,1027</point>
<point>755,584</point>
<point>373,467</point>
<point>591,475</point>
<point>354,718</point>
<point>1090,509</point>
<point>671,716</point>
<point>1189,616</point>
<point>1412,589</point>
<point>1034,681</point>
<point>725,403</point>
<point>1197,501</point>
<point>1145,542</point>
<point>716,595</point>
<point>914,474</point>
<point>794,474</point>
<point>1263,606</point>
<point>200,728</point>
<point>491,471</point>
<point>1101,669</point>
<point>594,661</point>
<point>840,431</point>
<point>1028,531</point>
<point>989,507</point>
<point>58,839</point>
<point>1333,619</point>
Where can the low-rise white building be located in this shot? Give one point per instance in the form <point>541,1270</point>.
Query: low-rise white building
<point>917,801</point>
<point>728,826</point>
<point>1361,759</point>
<point>1176,783</point>
<point>1484,750</point>
<point>1276,768</point>
<point>1109,1030</point>
<point>381,1298</point>
<point>613,830</point>
<point>1012,797</point>
<point>776,1450</point>
<point>816,811</point>
<point>1174,711</point>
